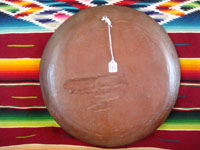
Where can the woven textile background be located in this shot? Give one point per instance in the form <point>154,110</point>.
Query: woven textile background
<point>25,27</point>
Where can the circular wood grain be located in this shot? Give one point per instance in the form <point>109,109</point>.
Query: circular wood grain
<point>102,108</point>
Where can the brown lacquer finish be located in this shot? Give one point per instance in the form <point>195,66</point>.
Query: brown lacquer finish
<point>102,108</point>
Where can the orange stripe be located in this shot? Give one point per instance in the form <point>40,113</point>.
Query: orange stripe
<point>190,64</point>
<point>27,4</point>
<point>22,3</point>
<point>190,68</point>
<point>32,65</point>
<point>169,4</point>
<point>20,72</point>
<point>31,10</point>
<point>174,12</point>
<point>19,65</point>
<point>169,10</point>
<point>19,68</point>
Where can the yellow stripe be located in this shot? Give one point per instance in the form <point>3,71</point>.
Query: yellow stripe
<point>25,64</point>
<point>190,61</point>
<point>33,64</point>
<point>23,3</point>
<point>28,123</point>
<point>24,97</point>
<point>20,45</point>
<point>169,4</point>
<point>32,10</point>
<point>23,137</point>
<point>20,61</point>
<point>52,123</point>
<point>174,12</point>
<point>184,126</point>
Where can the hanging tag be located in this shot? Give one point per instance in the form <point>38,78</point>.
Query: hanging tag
<point>112,66</point>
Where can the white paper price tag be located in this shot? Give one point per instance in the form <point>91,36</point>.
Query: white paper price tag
<point>112,66</point>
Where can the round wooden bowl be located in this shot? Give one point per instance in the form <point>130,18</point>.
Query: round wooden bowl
<point>98,106</point>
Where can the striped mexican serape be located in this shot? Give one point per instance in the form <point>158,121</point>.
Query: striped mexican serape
<point>25,27</point>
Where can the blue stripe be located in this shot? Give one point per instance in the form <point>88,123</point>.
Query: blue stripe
<point>158,19</point>
<point>54,3</point>
<point>166,140</point>
<point>45,20</point>
<point>181,44</point>
<point>152,13</point>
<point>142,4</point>
<point>181,96</point>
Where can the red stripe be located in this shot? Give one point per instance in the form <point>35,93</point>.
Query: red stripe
<point>59,136</point>
<point>190,51</point>
<point>19,75</point>
<point>188,97</point>
<point>80,6</point>
<point>43,136</point>
<point>34,75</point>
<point>7,93</point>
<point>190,75</point>
<point>126,2</point>
<point>39,41</point>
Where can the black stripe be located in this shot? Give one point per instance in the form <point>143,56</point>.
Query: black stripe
<point>18,81</point>
<point>192,81</point>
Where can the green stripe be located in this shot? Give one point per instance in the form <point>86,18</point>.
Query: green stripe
<point>16,114</point>
<point>26,118</point>
<point>192,5</point>
<point>8,8</point>
<point>184,117</point>
<point>39,114</point>
<point>184,120</point>
<point>190,84</point>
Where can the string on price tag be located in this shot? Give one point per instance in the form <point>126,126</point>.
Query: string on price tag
<point>112,65</point>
